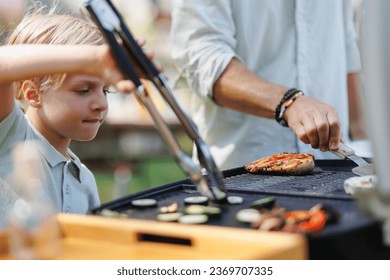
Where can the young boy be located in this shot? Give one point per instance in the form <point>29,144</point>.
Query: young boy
<point>58,70</point>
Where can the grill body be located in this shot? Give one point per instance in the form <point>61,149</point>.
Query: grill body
<point>354,236</point>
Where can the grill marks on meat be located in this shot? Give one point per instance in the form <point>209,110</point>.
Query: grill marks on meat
<point>283,163</point>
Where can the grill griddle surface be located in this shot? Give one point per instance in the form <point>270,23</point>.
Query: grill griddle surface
<point>327,180</point>
<point>354,236</point>
<point>325,185</point>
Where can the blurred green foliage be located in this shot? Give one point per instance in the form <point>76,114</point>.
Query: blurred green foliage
<point>146,173</point>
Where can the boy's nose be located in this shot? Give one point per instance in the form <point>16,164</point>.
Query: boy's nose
<point>100,102</point>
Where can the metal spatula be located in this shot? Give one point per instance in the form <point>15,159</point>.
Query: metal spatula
<point>364,168</point>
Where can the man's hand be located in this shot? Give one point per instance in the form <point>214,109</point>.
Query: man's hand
<point>315,123</point>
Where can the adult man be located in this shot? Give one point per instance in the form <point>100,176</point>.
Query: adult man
<point>241,57</point>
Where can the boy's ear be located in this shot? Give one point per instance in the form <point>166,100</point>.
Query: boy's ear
<point>31,93</point>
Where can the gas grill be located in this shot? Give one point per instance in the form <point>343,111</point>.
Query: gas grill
<point>354,236</point>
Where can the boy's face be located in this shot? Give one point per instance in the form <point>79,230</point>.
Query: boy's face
<point>76,109</point>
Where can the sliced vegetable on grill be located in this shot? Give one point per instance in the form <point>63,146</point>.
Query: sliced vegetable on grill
<point>169,217</point>
<point>144,203</point>
<point>332,215</point>
<point>170,208</point>
<point>270,219</point>
<point>248,215</point>
<point>234,199</point>
<point>193,219</point>
<point>305,221</point>
<point>196,200</point>
<point>195,209</point>
<point>267,202</point>
<point>211,211</point>
<point>273,223</point>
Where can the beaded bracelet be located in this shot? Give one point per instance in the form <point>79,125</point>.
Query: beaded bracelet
<point>285,97</point>
<point>287,100</point>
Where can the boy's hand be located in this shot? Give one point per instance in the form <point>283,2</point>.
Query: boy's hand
<point>113,75</point>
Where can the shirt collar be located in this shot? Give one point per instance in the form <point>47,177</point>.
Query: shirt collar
<point>54,157</point>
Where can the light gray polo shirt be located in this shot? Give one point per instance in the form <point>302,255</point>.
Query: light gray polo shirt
<point>69,184</point>
<point>7,199</point>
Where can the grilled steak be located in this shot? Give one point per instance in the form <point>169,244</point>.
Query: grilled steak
<point>283,163</point>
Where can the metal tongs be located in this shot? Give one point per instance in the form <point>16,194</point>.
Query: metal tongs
<point>127,52</point>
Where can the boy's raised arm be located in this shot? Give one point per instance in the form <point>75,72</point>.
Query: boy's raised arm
<point>22,62</point>
<point>19,62</point>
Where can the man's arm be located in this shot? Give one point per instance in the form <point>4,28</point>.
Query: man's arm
<point>357,123</point>
<point>240,89</point>
<point>313,121</point>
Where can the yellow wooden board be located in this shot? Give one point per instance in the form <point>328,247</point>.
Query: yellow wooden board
<point>94,237</point>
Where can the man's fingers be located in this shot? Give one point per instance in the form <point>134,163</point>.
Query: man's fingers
<point>323,129</point>
<point>334,131</point>
<point>311,132</point>
<point>300,131</point>
<point>315,123</point>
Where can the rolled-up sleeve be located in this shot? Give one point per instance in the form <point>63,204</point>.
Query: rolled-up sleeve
<point>202,44</point>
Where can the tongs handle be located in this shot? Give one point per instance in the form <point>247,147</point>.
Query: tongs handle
<point>151,72</point>
<point>121,57</point>
<point>111,24</point>
<point>144,63</point>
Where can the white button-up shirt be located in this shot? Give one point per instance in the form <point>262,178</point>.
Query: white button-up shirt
<point>305,44</point>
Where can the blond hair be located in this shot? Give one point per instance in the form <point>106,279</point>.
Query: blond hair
<point>40,26</point>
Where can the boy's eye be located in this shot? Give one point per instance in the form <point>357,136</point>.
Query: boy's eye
<point>82,90</point>
<point>108,90</point>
